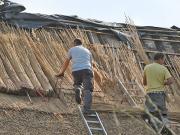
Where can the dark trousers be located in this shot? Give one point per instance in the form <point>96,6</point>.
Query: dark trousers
<point>159,99</point>
<point>84,79</point>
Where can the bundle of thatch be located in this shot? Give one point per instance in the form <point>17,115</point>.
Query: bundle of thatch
<point>6,83</point>
<point>31,60</point>
<point>118,61</point>
<point>115,62</point>
<point>174,61</point>
<point>135,40</point>
<point>22,50</point>
<point>10,53</point>
<point>8,74</point>
<point>52,50</point>
<point>20,64</point>
<point>10,70</point>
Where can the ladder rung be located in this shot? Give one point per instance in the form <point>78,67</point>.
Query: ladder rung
<point>90,124</point>
<point>133,89</point>
<point>137,96</point>
<point>91,115</point>
<point>95,122</point>
<point>97,129</point>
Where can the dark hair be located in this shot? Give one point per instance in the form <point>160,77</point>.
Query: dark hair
<point>158,56</point>
<point>77,41</point>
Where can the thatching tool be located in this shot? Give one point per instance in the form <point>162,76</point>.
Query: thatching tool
<point>59,93</point>
<point>28,97</point>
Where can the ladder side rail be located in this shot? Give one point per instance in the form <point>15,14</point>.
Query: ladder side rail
<point>131,100</point>
<point>105,133</point>
<point>89,130</point>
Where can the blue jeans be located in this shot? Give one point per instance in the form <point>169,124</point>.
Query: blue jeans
<point>159,99</point>
<point>84,79</point>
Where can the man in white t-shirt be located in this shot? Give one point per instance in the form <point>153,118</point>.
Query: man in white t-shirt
<point>82,72</point>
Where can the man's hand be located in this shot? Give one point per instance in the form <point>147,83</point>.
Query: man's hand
<point>63,68</point>
<point>168,81</point>
<point>60,75</point>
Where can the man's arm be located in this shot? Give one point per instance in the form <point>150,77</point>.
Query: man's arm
<point>168,78</point>
<point>64,67</point>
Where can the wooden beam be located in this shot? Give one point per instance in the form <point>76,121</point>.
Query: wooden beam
<point>168,53</point>
<point>159,34</point>
<point>163,31</point>
<point>162,40</point>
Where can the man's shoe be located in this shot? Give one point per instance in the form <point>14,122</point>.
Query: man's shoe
<point>78,95</point>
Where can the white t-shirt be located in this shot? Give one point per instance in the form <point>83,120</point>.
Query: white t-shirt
<point>81,58</point>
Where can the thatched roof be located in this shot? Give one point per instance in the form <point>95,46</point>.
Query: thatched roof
<point>34,48</point>
<point>30,59</point>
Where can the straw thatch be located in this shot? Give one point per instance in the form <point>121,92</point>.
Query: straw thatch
<point>30,61</point>
<point>135,40</point>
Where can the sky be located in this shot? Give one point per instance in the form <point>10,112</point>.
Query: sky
<point>160,13</point>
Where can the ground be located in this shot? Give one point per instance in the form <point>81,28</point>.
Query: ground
<point>26,122</point>
<point>37,123</point>
<point>50,117</point>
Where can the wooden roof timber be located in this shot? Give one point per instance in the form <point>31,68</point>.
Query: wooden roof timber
<point>151,39</point>
<point>153,30</point>
<point>163,31</point>
<point>162,40</point>
<point>85,30</point>
<point>147,51</point>
<point>159,34</point>
<point>151,51</point>
<point>107,33</point>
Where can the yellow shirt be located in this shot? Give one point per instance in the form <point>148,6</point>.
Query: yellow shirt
<point>156,74</point>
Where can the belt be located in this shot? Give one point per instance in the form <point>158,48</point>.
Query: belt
<point>156,92</point>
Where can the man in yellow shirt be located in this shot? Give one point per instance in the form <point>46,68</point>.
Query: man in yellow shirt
<point>156,76</point>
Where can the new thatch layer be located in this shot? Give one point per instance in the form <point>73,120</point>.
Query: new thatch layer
<point>30,61</point>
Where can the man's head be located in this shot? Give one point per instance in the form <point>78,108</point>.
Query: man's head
<point>159,58</point>
<point>77,42</point>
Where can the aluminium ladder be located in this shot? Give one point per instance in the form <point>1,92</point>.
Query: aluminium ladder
<point>93,123</point>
